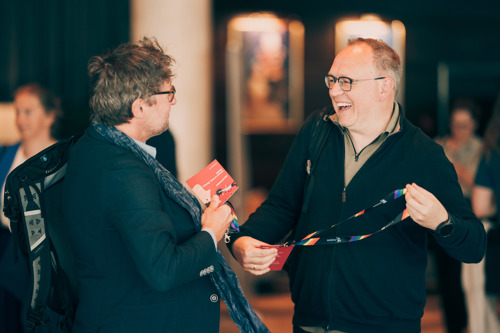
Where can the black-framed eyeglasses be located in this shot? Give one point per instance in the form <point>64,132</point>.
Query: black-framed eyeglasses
<point>344,82</point>
<point>171,94</point>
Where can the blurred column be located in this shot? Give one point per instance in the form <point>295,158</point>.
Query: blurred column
<point>184,30</point>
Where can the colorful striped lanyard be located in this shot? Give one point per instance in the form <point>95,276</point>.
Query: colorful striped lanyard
<point>315,238</point>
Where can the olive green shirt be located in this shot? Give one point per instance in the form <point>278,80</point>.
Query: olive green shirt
<point>354,160</point>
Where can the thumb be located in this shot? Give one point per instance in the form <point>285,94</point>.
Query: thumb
<point>214,203</point>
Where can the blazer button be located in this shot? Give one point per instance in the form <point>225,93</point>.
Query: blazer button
<point>214,298</point>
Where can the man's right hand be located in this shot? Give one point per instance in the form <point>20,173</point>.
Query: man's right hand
<point>216,218</point>
<point>251,257</point>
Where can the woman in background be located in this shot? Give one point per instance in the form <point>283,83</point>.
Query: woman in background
<point>37,112</point>
<point>483,317</point>
<point>463,149</point>
<point>463,146</point>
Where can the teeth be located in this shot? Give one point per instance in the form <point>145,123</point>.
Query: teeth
<point>342,104</point>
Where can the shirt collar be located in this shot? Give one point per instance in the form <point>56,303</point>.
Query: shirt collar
<point>393,123</point>
<point>147,148</point>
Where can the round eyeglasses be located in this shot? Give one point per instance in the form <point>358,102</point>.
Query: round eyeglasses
<point>171,94</point>
<point>344,82</point>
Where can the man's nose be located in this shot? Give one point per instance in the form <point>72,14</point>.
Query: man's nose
<point>336,90</point>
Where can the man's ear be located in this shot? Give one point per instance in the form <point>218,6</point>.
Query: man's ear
<point>386,88</point>
<point>137,108</point>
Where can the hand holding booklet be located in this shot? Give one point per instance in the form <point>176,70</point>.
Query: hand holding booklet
<point>283,253</point>
<point>214,179</point>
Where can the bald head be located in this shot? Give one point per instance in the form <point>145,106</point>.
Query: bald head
<point>384,57</point>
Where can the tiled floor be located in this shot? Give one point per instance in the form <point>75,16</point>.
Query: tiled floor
<point>276,312</point>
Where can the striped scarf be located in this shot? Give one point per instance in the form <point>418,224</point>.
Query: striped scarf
<point>225,279</point>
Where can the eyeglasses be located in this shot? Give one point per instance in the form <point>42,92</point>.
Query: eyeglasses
<point>170,92</point>
<point>345,83</point>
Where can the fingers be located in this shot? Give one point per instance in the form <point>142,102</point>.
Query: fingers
<point>258,270</point>
<point>252,257</point>
<point>413,199</point>
<point>418,197</point>
<point>423,207</point>
<point>259,264</point>
<point>260,257</point>
<point>224,210</point>
<point>419,192</point>
<point>214,203</point>
<point>216,218</point>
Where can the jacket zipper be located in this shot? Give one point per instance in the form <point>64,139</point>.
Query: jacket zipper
<point>334,248</point>
<point>343,201</point>
<point>384,144</point>
<point>356,154</point>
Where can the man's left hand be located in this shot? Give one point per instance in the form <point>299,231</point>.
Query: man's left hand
<point>424,208</point>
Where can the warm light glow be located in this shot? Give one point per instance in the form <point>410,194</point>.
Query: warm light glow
<point>399,29</point>
<point>370,17</point>
<point>372,26</point>
<point>366,29</point>
<point>258,22</point>
<point>297,27</point>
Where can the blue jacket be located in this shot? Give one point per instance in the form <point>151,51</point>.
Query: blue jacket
<point>6,158</point>
<point>141,267</point>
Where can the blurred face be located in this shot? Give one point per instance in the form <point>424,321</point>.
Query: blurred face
<point>32,120</point>
<point>356,109</point>
<point>158,114</point>
<point>462,125</point>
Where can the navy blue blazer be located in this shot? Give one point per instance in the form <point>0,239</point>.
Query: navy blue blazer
<point>141,265</point>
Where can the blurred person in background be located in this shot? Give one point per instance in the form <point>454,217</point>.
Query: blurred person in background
<point>482,290</point>
<point>463,148</point>
<point>37,112</point>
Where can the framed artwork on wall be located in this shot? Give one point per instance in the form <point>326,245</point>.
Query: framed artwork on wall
<point>265,73</point>
<point>264,90</point>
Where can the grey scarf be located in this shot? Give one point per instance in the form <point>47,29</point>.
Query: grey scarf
<point>225,280</point>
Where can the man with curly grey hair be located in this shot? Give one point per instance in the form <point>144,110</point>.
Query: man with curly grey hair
<point>146,252</point>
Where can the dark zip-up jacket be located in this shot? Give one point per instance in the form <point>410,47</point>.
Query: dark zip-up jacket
<point>376,284</point>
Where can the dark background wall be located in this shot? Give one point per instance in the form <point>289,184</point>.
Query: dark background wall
<point>51,41</point>
<point>454,32</point>
<point>462,34</point>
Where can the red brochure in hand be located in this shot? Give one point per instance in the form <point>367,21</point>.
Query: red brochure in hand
<point>213,179</point>
<point>283,253</point>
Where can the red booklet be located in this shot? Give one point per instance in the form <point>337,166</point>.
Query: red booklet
<point>213,179</point>
<point>283,253</point>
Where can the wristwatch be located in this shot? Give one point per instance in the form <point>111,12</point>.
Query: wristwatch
<point>444,229</point>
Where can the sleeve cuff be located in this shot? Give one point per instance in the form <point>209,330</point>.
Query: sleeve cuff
<point>211,234</point>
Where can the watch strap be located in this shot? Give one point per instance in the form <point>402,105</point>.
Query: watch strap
<point>445,228</point>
